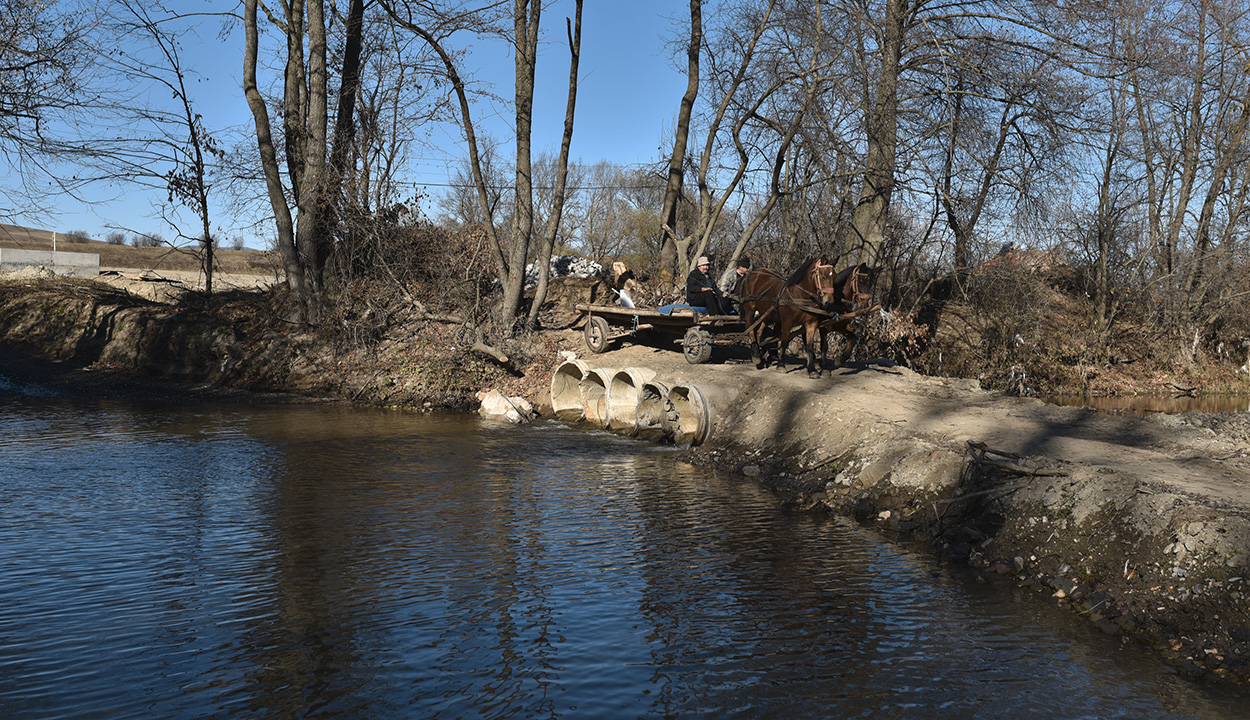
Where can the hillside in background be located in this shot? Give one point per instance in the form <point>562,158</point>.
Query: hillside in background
<point>163,258</point>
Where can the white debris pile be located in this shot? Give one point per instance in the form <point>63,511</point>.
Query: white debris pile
<point>564,266</point>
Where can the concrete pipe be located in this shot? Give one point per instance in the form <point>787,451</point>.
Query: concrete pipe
<point>694,415</point>
<point>655,420</point>
<point>623,398</point>
<point>566,394</point>
<point>594,388</point>
<point>697,408</point>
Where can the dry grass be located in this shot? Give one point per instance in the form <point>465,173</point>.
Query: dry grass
<point>159,259</point>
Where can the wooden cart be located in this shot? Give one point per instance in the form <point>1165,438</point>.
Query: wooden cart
<point>608,323</point>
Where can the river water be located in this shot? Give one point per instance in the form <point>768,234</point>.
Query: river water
<point>228,560</point>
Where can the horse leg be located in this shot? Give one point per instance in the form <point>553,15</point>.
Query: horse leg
<point>851,339</point>
<point>757,356</point>
<point>783,339</point>
<point>824,344</point>
<point>809,344</point>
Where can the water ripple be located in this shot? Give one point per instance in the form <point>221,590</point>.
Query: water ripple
<point>220,561</point>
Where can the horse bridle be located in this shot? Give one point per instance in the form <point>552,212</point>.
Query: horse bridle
<point>857,296</point>
<point>816,281</point>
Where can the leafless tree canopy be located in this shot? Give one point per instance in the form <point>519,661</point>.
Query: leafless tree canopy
<point>926,137</point>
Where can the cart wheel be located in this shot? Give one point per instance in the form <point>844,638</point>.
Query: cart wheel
<point>596,334</point>
<point>697,346</point>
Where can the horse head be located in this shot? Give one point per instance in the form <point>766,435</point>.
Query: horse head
<point>823,277</point>
<point>815,281</point>
<point>855,284</point>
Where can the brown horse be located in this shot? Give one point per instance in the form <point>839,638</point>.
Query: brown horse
<point>771,305</point>
<point>853,287</point>
<point>809,299</point>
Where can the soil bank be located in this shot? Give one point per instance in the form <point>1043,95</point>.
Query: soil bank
<point>1140,525</point>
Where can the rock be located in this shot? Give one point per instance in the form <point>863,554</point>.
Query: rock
<point>959,551</point>
<point>1107,627</point>
<point>751,470</point>
<point>496,406</point>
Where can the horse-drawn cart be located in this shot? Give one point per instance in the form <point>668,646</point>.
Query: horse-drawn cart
<point>607,323</point>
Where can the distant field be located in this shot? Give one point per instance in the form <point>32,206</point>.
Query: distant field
<point>142,258</point>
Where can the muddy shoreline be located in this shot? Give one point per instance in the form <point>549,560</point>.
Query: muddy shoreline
<point>1138,525</point>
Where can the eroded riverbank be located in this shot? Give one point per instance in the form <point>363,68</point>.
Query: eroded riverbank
<point>1141,525</point>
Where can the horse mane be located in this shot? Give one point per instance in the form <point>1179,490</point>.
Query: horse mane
<point>797,276</point>
<point>843,274</point>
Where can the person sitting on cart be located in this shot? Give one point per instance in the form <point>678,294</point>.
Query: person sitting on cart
<point>701,291</point>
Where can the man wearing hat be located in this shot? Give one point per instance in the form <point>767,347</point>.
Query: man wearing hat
<point>701,291</point>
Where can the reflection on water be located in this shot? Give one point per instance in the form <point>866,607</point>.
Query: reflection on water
<point>233,561</point>
<point>1144,404</point>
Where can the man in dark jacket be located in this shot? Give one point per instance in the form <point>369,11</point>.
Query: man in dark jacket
<point>736,290</point>
<point>701,291</point>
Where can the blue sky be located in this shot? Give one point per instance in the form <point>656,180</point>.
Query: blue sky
<point>628,97</point>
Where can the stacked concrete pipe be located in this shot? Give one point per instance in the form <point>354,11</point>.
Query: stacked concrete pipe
<point>654,418</point>
<point>633,402</point>
<point>594,386</point>
<point>623,395</point>
<point>566,392</point>
<point>694,414</point>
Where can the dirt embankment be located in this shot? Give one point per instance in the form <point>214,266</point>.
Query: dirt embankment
<point>1140,525</point>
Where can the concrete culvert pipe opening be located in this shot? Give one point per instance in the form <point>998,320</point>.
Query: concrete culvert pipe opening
<point>655,420</point>
<point>594,387</point>
<point>623,398</point>
<point>566,393</point>
<point>694,418</point>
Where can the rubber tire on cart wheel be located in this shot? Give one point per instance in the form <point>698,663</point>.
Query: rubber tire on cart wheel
<point>596,334</point>
<point>697,346</point>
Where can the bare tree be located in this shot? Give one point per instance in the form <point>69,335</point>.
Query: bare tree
<point>562,171</point>
<point>314,167</point>
<point>167,148</point>
<point>677,160</point>
<point>44,66</point>
<point>510,257</point>
<point>461,204</point>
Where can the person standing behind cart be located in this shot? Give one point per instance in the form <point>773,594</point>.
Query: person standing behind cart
<point>701,291</point>
<point>733,296</point>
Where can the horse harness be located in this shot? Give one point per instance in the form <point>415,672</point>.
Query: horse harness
<point>779,301</point>
<point>857,296</point>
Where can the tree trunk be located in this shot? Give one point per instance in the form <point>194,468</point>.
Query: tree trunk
<point>672,253</point>
<point>525,19</point>
<point>269,164</point>
<point>873,208</point>
<point>543,261</point>
<point>344,125</point>
<point>312,201</point>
